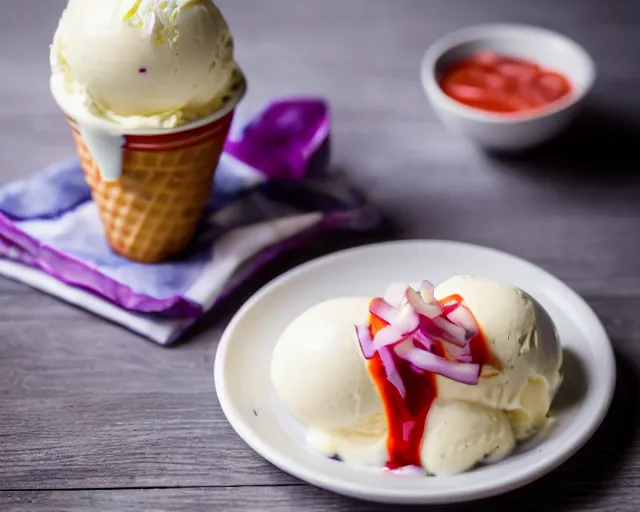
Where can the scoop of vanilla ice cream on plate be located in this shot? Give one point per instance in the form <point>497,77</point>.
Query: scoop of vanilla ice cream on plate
<point>459,434</point>
<point>144,62</point>
<point>322,379</point>
<point>522,338</point>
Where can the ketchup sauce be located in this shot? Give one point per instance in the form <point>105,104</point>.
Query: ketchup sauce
<point>406,416</point>
<point>503,84</point>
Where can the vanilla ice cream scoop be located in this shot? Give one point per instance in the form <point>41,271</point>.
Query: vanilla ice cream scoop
<point>459,434</point>
<point>144,63</point>
<point>319,373</point>
<point>522,339</point>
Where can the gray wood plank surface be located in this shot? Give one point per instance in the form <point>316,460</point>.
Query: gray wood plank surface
<point>95,418</point>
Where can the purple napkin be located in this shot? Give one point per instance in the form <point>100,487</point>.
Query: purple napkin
<point>271,192</point>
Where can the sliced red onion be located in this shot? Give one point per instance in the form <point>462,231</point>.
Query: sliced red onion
<point>460,354</point>
<point>462,317</point>
<point>430,310</point>
<point>430,328</point>
<point>417,370</point>
<point>460,372</point>
<point>395,294</point>
<point>427,292</point>
<point>390,335</point>
<point>427,342</point>
<point>383,310</point>
<point>366,342</point>
<point>451,332</point>
<point>405,323</point>
<point>408,317</point>
<point>391,370</point>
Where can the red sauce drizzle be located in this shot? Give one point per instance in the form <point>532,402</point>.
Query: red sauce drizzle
<point>498,83</point>
<point>406,417</point>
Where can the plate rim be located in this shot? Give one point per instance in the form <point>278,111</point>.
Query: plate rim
<point>443,496</point>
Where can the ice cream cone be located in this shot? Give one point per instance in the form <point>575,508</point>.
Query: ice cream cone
<point>150,92</point>
<point>151,211</point>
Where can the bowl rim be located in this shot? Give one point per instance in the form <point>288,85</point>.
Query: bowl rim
<point>474,33</point>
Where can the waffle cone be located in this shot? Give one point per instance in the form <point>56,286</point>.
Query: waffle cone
<point>151,212</point>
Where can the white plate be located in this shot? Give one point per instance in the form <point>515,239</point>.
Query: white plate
<point>242,374</point>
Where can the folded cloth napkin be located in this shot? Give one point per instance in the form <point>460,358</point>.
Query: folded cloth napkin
<point>272,191</point>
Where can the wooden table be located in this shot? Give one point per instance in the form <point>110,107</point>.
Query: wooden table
<point>94,418</point>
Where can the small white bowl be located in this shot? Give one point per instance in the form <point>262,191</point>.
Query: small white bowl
<point>493,131</point>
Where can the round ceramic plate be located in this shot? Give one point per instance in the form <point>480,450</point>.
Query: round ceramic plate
<point>242,368</point>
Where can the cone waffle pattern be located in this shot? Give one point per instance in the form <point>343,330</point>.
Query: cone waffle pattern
<point>152,211</point>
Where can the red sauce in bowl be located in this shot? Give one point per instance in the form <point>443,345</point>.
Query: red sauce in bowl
<point>503,84</point>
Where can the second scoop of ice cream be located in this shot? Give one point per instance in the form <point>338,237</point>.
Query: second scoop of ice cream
<point>318,372</point>
<point>144,63</point>
<point>522,338</point>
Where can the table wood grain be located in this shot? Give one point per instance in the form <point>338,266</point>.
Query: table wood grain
<point>94,418</point>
